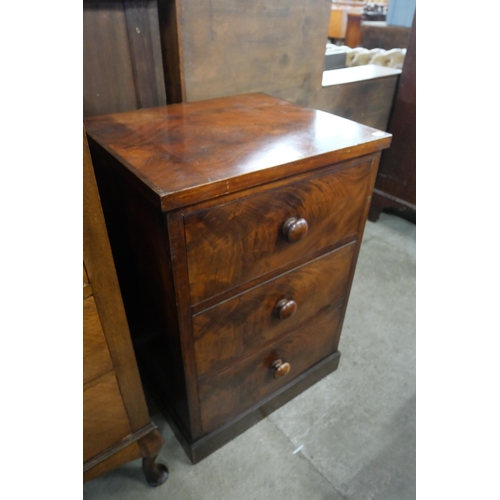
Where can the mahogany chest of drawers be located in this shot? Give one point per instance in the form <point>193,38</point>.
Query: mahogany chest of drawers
<point>235,225</point>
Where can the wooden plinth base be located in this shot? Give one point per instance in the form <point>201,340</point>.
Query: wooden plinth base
<point>200,449</point>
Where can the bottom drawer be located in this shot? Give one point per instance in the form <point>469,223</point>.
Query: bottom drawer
<point>238,388</point>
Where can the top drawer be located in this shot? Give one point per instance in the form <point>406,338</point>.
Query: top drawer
<point>230,244</point>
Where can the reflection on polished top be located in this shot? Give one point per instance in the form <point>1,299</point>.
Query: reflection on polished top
<point>191,151</point>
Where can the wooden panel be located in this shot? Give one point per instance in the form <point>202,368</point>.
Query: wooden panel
<point>172,50</point>
<point>143,266</point>
<point>232,47</point>
<point>101,272</point>
<point>368,102</point>
<point>238,388</point>
<point>85,277</point>
<point>216,54</point>
<point>114,406</point>
<point>105,420</point>
<point>108,80</point>
<point>121,56</point>
<point>254,138</point>
<point>96,359</point>
<point>396,181</point>
<point>244,239</point>
<point>380,36</point>
<point>121,457</point>
<point>145,50</point>
<point>234,327</point>
<point>146,442</point>
<point>399,162</point>
<point>87,289</point>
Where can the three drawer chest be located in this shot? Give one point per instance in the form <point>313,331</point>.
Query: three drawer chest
<point>235,225</point>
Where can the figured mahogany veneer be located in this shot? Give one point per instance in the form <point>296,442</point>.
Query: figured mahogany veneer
<point>241,386</point>
<point>221,332</point>
<point>245,239</point>
<point>235,225</point>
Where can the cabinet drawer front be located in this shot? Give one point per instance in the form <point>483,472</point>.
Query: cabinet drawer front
<point>96,358</point>
<point>231,328</point>
<point>238,388</point>
<point>105,420</point>
<point>230,244</point>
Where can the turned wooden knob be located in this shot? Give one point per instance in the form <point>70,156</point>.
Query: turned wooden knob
<point>286,308</point>
<point>280,369</point>
<point>295,229</point>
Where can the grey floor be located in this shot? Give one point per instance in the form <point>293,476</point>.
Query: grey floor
<point>351,436</point>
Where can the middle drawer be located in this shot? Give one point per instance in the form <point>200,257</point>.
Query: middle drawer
<point>230,329</point>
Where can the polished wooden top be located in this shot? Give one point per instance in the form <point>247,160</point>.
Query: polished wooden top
<point>185,153</point>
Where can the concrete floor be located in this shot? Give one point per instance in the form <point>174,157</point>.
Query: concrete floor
<point>351,436</point>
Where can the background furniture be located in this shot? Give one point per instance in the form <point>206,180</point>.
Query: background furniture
<point>395,187</point>
<point>145,53</point>
<point>378,35</point>
<point>235,225</point>
<point>340,9</point>
<point>338,22</point>
<point>353,30</point>
<point>116,423</point>
<point>363,94</point>
<point>124,65</point>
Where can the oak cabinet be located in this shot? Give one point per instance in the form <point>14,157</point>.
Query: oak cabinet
<point>116,423</point>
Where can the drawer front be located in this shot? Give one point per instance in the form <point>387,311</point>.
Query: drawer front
<point>105,421</point>
<point>230,329</point>
<point>240,387</point>
<point>230,244</point>
<point>96,358</point>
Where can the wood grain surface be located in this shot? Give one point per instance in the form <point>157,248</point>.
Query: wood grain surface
<point>101,272</point>
<point>114,406</point>
<point>241,240</point>
<point>105,419</point>
<point>141,248</point>
<point>172,49</point>
<point>87,289</point>
<point>96,358</point>
<point>234,327</point>
<point>186,153</point>
<point>196,197</point>
<point>121,457</point>
<point>238,388</point>
<point>233,47</point>
<point>122,67</point>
